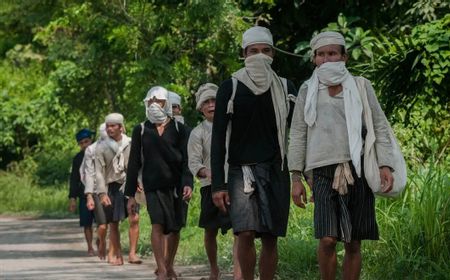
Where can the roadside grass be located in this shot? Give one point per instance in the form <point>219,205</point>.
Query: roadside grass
<point>414,229</point>
<point>19,195</point>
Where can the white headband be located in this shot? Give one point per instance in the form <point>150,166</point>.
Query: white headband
<point>114,118</point>
<point>205,92</point>
<point>257,35</point>
<point>326,38</point>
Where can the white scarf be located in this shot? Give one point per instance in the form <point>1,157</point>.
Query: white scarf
<point>331,74</point>
<point>179,118</point>
<point>155,113</point>
<point>259,77</point>
<point>118,161</point>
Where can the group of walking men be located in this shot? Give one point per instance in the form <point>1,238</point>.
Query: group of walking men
<point>256,129</point>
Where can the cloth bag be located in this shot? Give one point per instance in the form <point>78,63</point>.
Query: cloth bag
<point>371,169</point>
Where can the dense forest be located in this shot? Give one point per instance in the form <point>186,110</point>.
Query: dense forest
<point>65,64</point>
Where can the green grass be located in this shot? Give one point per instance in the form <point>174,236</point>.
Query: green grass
<point>414,229</point>
<point>19,195</point>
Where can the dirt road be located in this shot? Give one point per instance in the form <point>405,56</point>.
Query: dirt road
<point>55,249</point>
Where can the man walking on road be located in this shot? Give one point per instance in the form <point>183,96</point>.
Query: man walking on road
<point>256,104</point>
<point>84,139</point>
<point>111,164</point>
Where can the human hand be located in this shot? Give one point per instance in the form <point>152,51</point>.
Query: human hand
<point>187,193</point>
<point>72,205</point>
<point>131,206</point>
<point>386,178</point>
<point>90,204</point>
<point>104,200</point>
<point>221,199</point>
<point>299,194</point>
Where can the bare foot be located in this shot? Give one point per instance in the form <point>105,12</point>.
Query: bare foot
<point>171,274</point>
<point>134,259</point>
<point>91,252</point>
<point>117,261</point>
<point>214,274</point>
<point>102,250</point>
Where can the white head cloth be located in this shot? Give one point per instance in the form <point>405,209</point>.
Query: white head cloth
<point>257,35</point>
<point>154,112</point>
<point>114,118</point>
<point>331,74</point>
<point>174,98</point>
<point>205,92</point>
<point>326,38</point>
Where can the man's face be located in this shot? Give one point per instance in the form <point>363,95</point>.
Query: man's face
<point>114,130</point>
<point>176,110</point>
<point>208,107</point>
<point>329,53</point>
<point>259,48</point>
<point>84,143</point>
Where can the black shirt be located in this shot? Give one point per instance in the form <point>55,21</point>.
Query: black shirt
<point>165,158</point>
<point>254,135</point>
<point>76,188</point>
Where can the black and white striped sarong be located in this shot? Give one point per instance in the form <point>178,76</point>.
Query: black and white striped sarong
<point>346,217</point>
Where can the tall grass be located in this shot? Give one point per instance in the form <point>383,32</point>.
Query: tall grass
<point>20,195</point>
<point>415,229</point>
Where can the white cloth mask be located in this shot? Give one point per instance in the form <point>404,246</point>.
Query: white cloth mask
<point>156,114</point>
<point>260,72</point>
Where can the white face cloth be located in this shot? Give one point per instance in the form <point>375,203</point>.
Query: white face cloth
<point>331,74</point>
<point>155,113</point>
<point>260,72</point>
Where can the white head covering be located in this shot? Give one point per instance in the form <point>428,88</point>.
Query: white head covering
<point>174,98</point>
<point>158,92</point>
<point>205,92</point>
<point>257,35</point>
<point>326,38</point>
<point>114,118</point>
<point>154,112</point>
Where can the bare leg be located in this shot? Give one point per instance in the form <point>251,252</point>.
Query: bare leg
<point>133,234</point>
<point>88,236</point>
<point>352,260</point>
<point>211,252</point>
<point>172,246</point>
<point>114,236</point>
<point>327,258</point>
<point>247,254</point>
<point>157,240</point>
<point>269,257</point>
<point>237,273</point>
<point>101,233</point>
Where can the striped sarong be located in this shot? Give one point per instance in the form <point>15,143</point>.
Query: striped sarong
<point>346,217</point>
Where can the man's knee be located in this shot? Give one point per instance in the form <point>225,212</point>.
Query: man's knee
<point>353,248</point>
<point>133,220</point>
<point>246,236</point>
<point>269,241</point>
<point>328,243</point>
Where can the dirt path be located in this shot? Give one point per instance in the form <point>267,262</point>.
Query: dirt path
<point>55,249</point>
